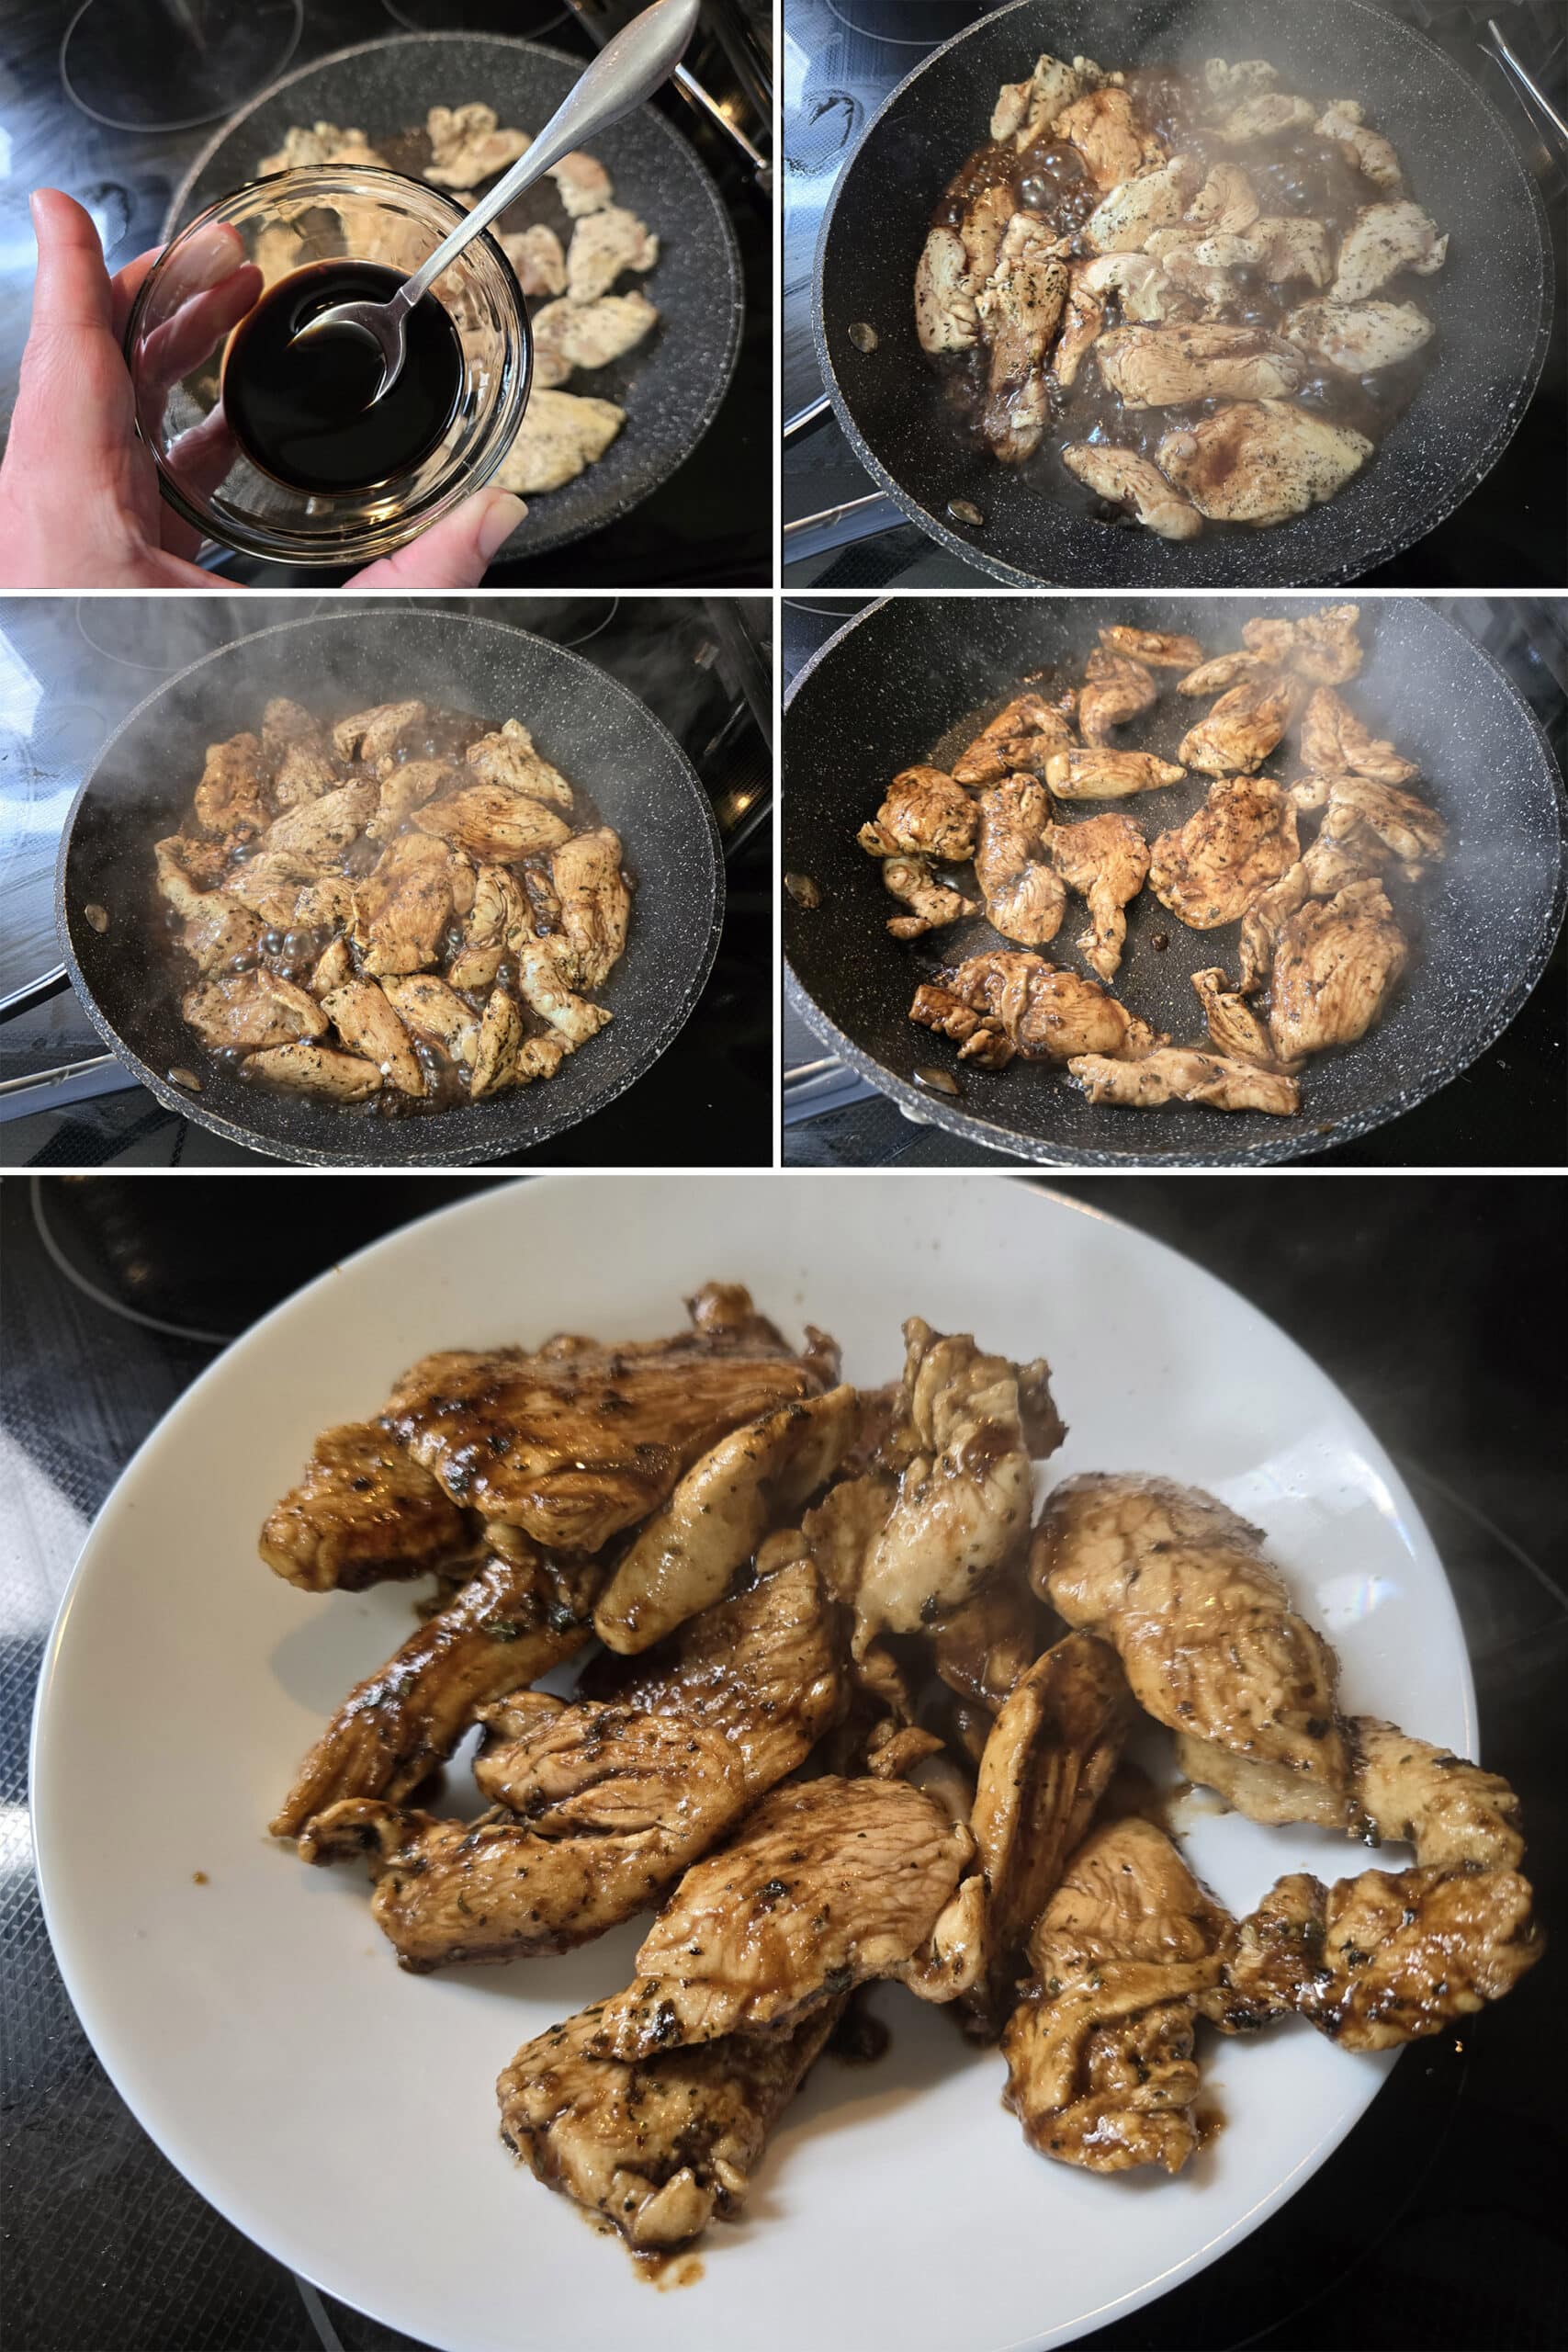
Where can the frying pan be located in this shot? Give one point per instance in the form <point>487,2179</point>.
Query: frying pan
<point>670,386</point>
<point>607,742</point>
<point>1492,303</point>
<point>912,678</point>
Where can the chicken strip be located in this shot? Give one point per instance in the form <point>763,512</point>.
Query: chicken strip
<point>1185,1074</point>
<point>232,801</point>
<point>1025,110</point>
<point>1099,2054</point>
<point>371,736</point>
<point>1336,963</point>
<point>468,145</point>
<point>1104,128</point>
<point>912,881</point>
<point>657,2146</point>
<point>430,1011</point>
<point>1228,84</point>
<point>1359,338</point>
<point>1003,1003</point>
<point>500,913</point>
<point>1092,773</point>
<point>573,1018</point>
<point>582,183</point>
<point>1243,727</point>
<point>1170,365</point>
<point>1145,201</point>
<point>405,788</point>
<point>1114,690</point>
<point>1225,671</point>
<point>1209,870</point>
<point>402,907</point>
<point>1105,860</point>
<point>924,813</point>
<point>955,265</point>
<point>270,885</point>
<point>1235,1031</point>
<point>594,904</point>
<point>1025,899</point>
<point>538,259</point>
<point>509,757</point>
<point>1045,1766</point>
<point>987,1647</point>
<point>829,1884</point>
<point>310,1068</point>
<point>1333,740</point>
<point>497,1047</point>
<point>319,831</point>
<point>367,1026</point>
<point>1407,829</point>
<point>251,1009</point>
<point>303,773</point>
<point>1367,152</point>
<point>1383,240</point>
<point>1019,310</point>
<point>1123,479</point>
<point>603,243</point>
<point>561,436</point>
<point>1021,738</point>
<point>1260,461</point>
<point>492,822</point>
<point>590,335</point>
<point>1159,648</point>
<point>1267,116</point>
<point>321,143</point>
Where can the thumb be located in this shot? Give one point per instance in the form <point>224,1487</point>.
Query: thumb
<point>454,552</point>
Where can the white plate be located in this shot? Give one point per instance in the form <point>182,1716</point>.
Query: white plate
<point>343,2113</point>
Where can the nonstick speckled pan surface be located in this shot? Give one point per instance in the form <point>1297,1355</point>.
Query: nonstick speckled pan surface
<point>1492,303</point>
<point>670,386</point>
<point>912,678</point>
<point>609,744</point>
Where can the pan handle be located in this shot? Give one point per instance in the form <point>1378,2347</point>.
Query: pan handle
<point>837,527</point>
<point>68,1082</point>
<point>807,420</point>
<point>1536,102</point>
<point>53,982</point>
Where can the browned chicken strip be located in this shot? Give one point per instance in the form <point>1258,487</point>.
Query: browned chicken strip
<point>231,802</point>
<point>1336,963</point>
<point>924,813</point>
<point>1324,647</point>
<point>1025,899</point>
<point>594,904</point>
<point>1235,1029</point>
<point>1007,1003</point>
<point>490,821</point>
<point>1115,689</point>
<point>1106,861</point>
<point>1092,773</point>
<point>1185,1074</point>
<point>1019,308</point>
<point>932,904</point>
<point>1357,807</point>
<point>1243,727</point>
<point>1160,648</point>
<point>1209,870</point>
<point>252,1009</point>
<point>311,1068</point>
<point>1333,740</point>
<point>402,907</point>
<point>987,1645</point>
<point>509,757</point>
<point>364,1512</point>
<point>1019,739</point>
<point>367,1024</point>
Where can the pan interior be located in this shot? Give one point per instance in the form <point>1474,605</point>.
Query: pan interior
<point>915,677</point>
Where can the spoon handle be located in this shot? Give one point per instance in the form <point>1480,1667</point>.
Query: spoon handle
<point>625,72</point>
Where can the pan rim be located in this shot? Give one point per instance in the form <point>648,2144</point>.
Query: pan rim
<point>176,1099</point>
<point>1358,568</point>
<point>927,1108</point>
<point>546,541</point>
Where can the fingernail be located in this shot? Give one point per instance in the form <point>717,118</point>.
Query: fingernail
<point>499,521</point>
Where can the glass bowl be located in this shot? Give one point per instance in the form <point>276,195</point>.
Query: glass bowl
<point>212,276</point>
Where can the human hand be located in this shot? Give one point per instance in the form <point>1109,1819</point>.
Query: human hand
<point>79,501</point>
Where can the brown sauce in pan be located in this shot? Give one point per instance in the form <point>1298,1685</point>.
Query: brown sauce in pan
<point>1299,173</point>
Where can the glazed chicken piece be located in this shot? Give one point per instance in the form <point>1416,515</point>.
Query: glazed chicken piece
<point>1143,288</point>
<point>1267,116</point>
<point>509,757</point>
<point>1225,671</point>
<point>1025,899</point>
<point>1093,773</point>
<point>1050,1753</point>
<point>1260,461</point>
<point>1019,310</point>
<point>594,904</point>
<point>490,821</point>
<point>987,1647</point>
<point>657,2147</point>
<point>1106,861</point>
<point>219,933</point>
<point>603,243</point>
<point>1099,2052</point>
<point>402,907</point>
<point>572,1018</point>
<point>538,260</point>
<point>1200,1620</point>
<point>912,881</point>
<point>575,333</point>
<point>1170,365</point>
<point>1336,963</point>
<point>830,1884</point>
<point>432,1012</point>
<point>1021,738</point>
<point>1158,649</point>
<point>1370,820</point>
<point>1004,1003</point>
<point>1359,338</point>
<point>1345,123</point>
<point>582,183</point>
<point>405,788</point>
<point>371,736</point>
<point>1226,204</point>
<point>1185,1074</point>
<point>251,1009</point>
<point>271,885</point>
<point>1145,201</point>
<point>1104,128</point>
<point>499,913</point>
<point>497,1047</point>
<point>318,830</point>
<point>683,1558</point>
<point>578,1440</point>
<point>231,802</point>
<point>1025,109</point>
<point>1228,85</point>
<point>468,145</point>
<point>502,1630</point>
<point>308,1068</point>
<point>955,265</point>
<point>303,772</point>
<point>1115,689</point>
<point>1243,727</point>
<point>1235,1031</point>
<point>364,1512</point>
<point>561,436</point>
<point>367,1026</point>
<point>1383,239</point>
<point>1123,479</point>
<point>1323,647</point>
<point>924,813</point>
<point>1334,741</point>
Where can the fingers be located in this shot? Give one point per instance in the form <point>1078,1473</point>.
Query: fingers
<point>453,553</point>
<point>190,334</point>
<point>127,285</point>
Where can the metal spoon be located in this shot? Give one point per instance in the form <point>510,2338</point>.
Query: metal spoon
<point>623,75</point>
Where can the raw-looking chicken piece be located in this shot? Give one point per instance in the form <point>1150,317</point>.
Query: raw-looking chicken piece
<point>1025,109</point>
<point>490,821</point>
<point>232,801</point>
<point>320,830</point>
<point>1019,311</point>
<point>1345,123</point>
<point>923,814</point>
<point>1091,772</point>
<point>539,258</point>
<point>594,906</point>
<point>683,1558</point>
<point>1168,366</point>
<point>402,907</point>
<point>954,266</point>
<point>468,145</point>
<point>509,756</point>
<point>1267,116</point>
<point>1185,1074</point>
<point>1228,85</point>
<point>432,1012</point>
<point>603,243</point>
<point>1052,1751</point>
<point>1106,861</point>
<point>1006,1003</point>
<point>1360,337</point>
<point>1158,648</point>
<point>1260,461</point>
<point>1333,740</point>
<point>931,904</point>
<point>1149,200</point>
<point>1407,829</point>
<point>829,1884</point>
<point>1115,689</point>
<point>1200,1618</point>
<point>1235,1030</point>
<point>561,433</point>
<point>310,1068</point>
<point>500,1631</point>
<point>1104,128</point>
<point>251,1009</point>
<point>582,183</point>
<point>1024,897</point>
<point>1021,738</point>
<point>1336,963</point>
<point>371,736</point>
<point>367,1026</point>
<point>1100,2051</point>
<point>1383,239</point>
<point>1243,727</point>
<point>1125,478</point>
<point>319,143</point>
<point>590,334</point>
<point>657,2147</point>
